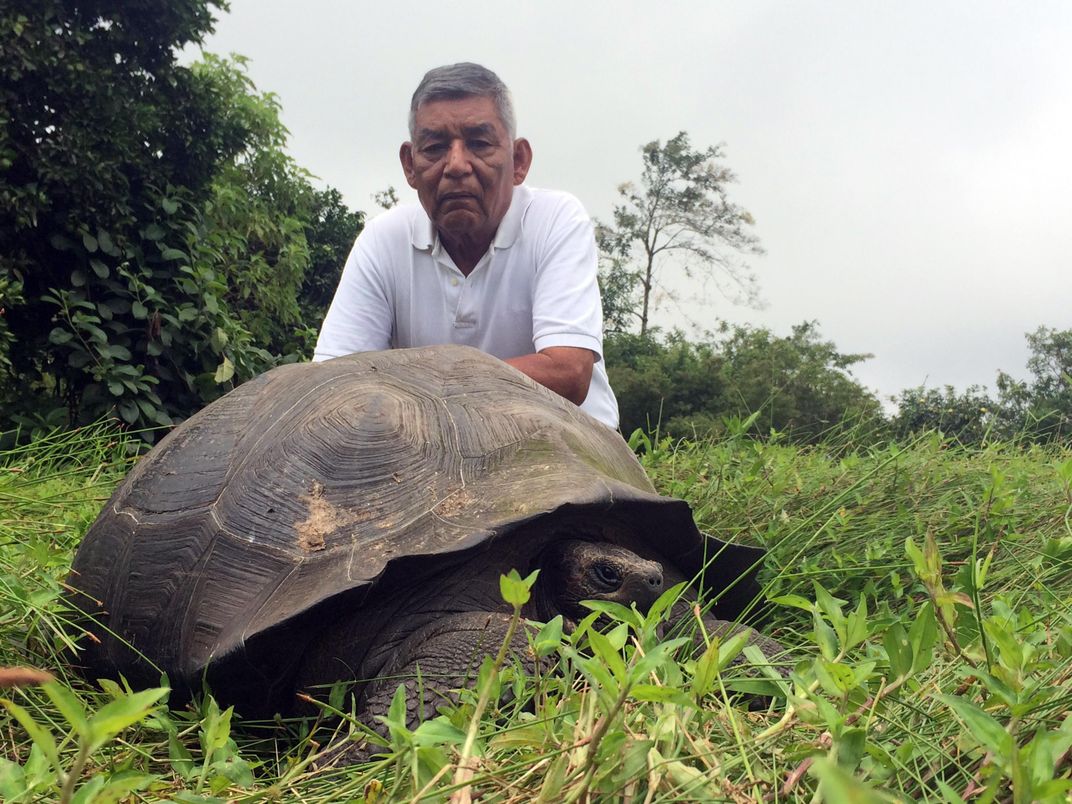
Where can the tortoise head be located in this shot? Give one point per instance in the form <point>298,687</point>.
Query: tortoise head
<point>573,570</point>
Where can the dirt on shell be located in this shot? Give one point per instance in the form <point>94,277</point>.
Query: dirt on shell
<point>324,519</point>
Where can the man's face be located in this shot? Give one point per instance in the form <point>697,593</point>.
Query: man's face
<point>464,166</point>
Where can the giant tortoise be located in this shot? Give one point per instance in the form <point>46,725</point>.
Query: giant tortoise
<point>350,520</point>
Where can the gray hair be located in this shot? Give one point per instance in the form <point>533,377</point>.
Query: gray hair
<point>463,80</point>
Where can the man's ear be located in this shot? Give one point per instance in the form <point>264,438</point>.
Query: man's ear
<point>522,159</point>
<point>405,156</point>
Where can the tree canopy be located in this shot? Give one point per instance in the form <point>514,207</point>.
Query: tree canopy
<point>155,237</point>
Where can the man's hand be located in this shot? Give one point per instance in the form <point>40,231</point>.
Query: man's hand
<point>566,370</point>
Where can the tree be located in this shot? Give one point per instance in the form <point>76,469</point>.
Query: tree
<point>970,417</point>
<point>680,209</point>
<point>802,384</point>
<point>98,127</point>
<point>154,235</point>
<point>658,382</point>
<point>1042,406</point>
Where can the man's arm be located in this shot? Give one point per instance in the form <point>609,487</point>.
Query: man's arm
<point>566,370</point>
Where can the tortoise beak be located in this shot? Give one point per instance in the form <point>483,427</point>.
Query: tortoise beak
<point>643,586</point>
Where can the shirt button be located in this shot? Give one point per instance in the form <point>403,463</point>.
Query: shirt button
<point>454,282</point>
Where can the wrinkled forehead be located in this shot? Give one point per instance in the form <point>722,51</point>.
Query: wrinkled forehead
<point>476,113</point>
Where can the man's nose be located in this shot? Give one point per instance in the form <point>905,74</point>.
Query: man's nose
<point>458,159</point>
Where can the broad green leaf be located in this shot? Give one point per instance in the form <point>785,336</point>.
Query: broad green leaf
<point>182,761</point>
<point>225,371</point>
<point>730,648</point>
<point>616,611</point>
<point>531,736</point>
<point>42,737</point>
<point>90,242</point>
<point>438,731</point>
<point>658,656</point>
<point>838,785</point>
<point>12,780</point>
<point>605,651</point>
<point>396,714</point>
<point>516,590</point>
<point>170,206</point>
<point>665,601</point>
<point>153,232</point>
<point>796,601</point>
<point>113,787</point>
<point>87,793</point>
<point>984,727</point>
<point>856,629</point>
<point>899,651</point>
<point>949,795</point>
<point>549,638</point>
<point>922,636</point>
<point>828,605</point>
<point>850,745</point>
<point>99,268</point>
<point>117,715</point>
<point>104,240</point>
<point>832,678</point>
<point>129,411</point>
<point>69,705</point>
<point>651,692</point>
<point>59,337</point>
<point>216,728</point>
<point>218,339</point>
<point>825,636</point>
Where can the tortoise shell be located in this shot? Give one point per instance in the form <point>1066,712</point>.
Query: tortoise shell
<point>281,505</point>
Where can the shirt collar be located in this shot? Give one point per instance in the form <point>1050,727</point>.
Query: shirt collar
<point>424,236</point>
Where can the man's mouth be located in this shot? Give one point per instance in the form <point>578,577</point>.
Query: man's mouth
<point>455,197</point>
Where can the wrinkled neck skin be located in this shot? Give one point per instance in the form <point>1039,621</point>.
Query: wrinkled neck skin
<point>465,250</point>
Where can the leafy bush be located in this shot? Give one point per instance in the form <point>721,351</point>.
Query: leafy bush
<point>155,238</point>
<point>798,385</point>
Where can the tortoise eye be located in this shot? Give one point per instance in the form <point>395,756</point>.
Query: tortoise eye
<point>608,575</point>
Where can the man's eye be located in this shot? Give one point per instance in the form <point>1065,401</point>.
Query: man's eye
<point>433,149</point>
<point>479,145</point>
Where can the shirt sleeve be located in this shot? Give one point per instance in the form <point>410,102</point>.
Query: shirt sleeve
<point>566,308</point>
<point>361,315</point>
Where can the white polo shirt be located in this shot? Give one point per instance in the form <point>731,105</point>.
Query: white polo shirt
<point>534,288</point>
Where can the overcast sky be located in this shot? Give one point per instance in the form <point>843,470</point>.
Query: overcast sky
<point>908,164</point>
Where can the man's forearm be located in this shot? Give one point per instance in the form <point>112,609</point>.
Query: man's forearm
<point>566,370</point>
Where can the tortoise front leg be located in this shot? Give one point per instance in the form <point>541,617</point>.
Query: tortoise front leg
<point>682,620</point>
<point>433,664</point>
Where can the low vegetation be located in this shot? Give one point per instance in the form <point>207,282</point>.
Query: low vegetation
<point>923,588</point>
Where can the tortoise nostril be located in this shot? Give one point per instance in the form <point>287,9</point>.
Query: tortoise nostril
<point>655,580</point>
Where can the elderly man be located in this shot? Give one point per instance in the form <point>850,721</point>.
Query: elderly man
<point>483,260</point>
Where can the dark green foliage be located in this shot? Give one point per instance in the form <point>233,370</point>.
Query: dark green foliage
<point>798,385</point>
<point>154,235</point>
<point>802,385</point>
<point>969,417</point>
<point>657,382</point>
<point>331,233</point>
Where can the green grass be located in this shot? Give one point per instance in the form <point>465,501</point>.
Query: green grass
<point>925,589</point>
